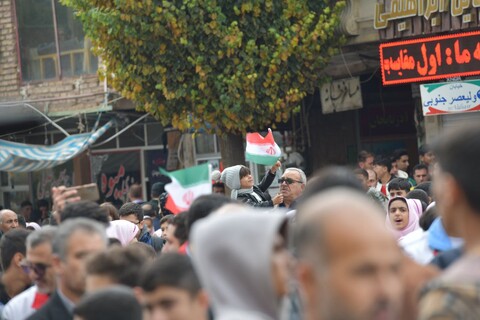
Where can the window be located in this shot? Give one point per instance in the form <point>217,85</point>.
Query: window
<point>42,26</point>
<point>204,144</point>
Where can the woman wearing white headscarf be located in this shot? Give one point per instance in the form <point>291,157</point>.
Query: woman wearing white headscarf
<point>124,231</point>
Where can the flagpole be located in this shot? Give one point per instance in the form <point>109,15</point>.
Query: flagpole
<point>210,175</point>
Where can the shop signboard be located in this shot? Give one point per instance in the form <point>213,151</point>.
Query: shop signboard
<point>341,95</point>
<point>433,58</point>
<point>115,172</point>
<point>450,97</point>
<point>396,19</point>
<point>45,180</point>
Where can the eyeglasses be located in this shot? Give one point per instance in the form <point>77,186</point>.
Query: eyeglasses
<point>288,181</point>
<point>39,268</point>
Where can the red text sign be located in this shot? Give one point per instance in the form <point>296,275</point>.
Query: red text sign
<point>432,58</point>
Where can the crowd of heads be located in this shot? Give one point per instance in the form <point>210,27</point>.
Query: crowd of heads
<point>348,243</point>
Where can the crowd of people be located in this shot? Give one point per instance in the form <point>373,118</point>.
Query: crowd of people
<point>378,241</point>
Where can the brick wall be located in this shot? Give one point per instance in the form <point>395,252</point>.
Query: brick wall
<point>8,53</point>
<point>12,88</point>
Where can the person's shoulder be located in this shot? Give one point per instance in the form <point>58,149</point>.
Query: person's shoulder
<point>447,258</point>
<point>53,309</point>
<point>21,300</point>
<point>244,196</point>
<point>450,300</point>
<point>28,293</point>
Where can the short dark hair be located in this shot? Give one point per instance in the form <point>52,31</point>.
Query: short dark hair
<point>180,222</point>
<point>21,221</point>
<point>12,242</point>
<point>85,209</point>
<point>111,210</point>
<point>363,156</point>
<point>399,184</point>
<point>424,149</point>
<point>171,270</point>
<point>112,303</point>
<point>150,211</point>
<point>159,187</point>
<point>146,249</point>
<point>203,206</point>
<point>425,186</point>
<point>135,191</point>
<point>419,194</point>
<point>244,171</point>
<point>121,264</point>
<point>462,144</point>
<point>361,171</point>
<point>25,203</point>
<point>428,217</point>
<point>384,162</point>
<point>131,208</point>
<point>419,166</point>
<point>168,219</point>
<point>218,184</point>
<point>398,153</point>
<point>42,203</point>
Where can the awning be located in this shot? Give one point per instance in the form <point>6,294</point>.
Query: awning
<point>19,157</point>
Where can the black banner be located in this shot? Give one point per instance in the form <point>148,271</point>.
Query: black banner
<point>441,57</point>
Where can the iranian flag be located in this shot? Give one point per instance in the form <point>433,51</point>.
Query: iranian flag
<point>187,185</point>
<point>262,150</point>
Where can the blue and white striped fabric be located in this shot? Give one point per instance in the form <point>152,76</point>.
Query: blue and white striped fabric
<point>19,157</point>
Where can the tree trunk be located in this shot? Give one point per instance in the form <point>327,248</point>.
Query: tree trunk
<point>232,149</point>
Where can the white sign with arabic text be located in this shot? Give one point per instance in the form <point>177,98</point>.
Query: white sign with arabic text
<point>341,95</point>
<point>450,97</point>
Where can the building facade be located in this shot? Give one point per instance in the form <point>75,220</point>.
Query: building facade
<point>377,115</point>
<point>49,88</point>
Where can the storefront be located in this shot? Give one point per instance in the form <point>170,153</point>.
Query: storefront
<point>124,155</point>
<point>435,48</point>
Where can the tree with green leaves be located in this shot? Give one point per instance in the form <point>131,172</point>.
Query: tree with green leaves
<point>222,65</point>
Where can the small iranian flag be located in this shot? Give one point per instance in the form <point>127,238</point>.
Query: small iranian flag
<point>187,185</point>
<point>262,150</point>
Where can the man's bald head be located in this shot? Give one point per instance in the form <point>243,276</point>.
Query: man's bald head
<point>337,210</point>
<point>349,264</point>
<point>8,220</point>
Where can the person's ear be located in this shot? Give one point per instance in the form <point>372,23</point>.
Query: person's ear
<point>138,292</point>
<point>17,259</point>
<point>202,298</point>
<point>453,193</point>
<point>56,264</point>
<point>307,281</point>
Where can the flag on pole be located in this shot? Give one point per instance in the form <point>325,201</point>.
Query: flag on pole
<point>187,185</point>
<point>262,150</point>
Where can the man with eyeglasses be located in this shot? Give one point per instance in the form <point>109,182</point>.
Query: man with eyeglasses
<point>292,183</point>
<point>38,265</point>
<point>75,240</point>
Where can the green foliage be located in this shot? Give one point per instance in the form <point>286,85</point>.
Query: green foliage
<point>232,64</point>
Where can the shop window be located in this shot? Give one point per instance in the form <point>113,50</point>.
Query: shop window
<point>133,137</point>
<point>38,38</point>
<point>155,134</point>
<point>205,144</point>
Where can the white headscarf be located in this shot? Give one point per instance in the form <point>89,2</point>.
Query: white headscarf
<point>123,230</point>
